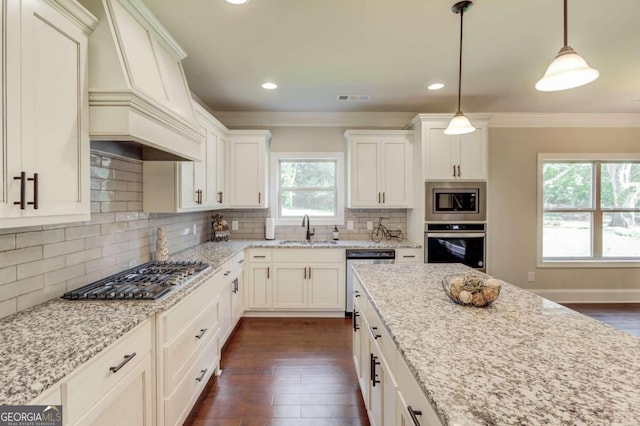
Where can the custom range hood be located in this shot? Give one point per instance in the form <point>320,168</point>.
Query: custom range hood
<point>139,99</point>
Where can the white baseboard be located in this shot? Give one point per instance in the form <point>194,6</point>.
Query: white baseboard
<point>590,296</point>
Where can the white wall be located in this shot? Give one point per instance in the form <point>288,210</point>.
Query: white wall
<point>512,210</point>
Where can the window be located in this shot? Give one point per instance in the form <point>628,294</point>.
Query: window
<point>589,209</point>
<point>308,183</point>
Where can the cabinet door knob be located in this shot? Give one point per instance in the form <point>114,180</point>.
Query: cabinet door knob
<point>202,332</point>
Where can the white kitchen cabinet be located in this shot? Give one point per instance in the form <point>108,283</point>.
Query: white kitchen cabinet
<point>380,168</point>
<point>259,286</point>
<point>115,387</point>
<point>188,345</point>
<point>411,400</point>
<point>248,168</point>
<point>180,186</point>
<point>308,286</point>
<point>221,198</point>
<point>456,157</point>
<point>296,280</point>
<point>44,164</point>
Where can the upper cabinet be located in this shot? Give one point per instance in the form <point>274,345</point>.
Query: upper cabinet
<point>248,170</point>
<point>380,168</point>
<point>462,157</point>
<point>44,160</point>
<point>138,90</point>
<point>179,186</point>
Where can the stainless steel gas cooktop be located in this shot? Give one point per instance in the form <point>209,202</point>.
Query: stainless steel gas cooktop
<point>149,281</point>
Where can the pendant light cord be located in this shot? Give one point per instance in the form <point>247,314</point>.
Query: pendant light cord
<point>460,60</point>
<point>565,24</point>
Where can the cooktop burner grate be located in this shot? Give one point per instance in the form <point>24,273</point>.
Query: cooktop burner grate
<point>149,281</point>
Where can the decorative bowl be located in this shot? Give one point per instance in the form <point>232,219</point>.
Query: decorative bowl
<point>471,289</point>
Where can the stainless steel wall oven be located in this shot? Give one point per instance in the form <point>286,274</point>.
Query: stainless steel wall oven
<point>456,243</point>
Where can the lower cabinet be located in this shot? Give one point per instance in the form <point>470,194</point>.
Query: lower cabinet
<point>188,349</point>
<point>116,386</point>
<point>391,394</point>
<point>296,280</point>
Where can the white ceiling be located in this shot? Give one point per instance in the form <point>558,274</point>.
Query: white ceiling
<point>391,50</point>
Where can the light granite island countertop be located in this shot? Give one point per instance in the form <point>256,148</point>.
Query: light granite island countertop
<point>41,345</point>
<point>522,361</point>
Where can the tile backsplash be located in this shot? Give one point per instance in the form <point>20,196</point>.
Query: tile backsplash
<point>39,263</point>
<point>251,225</point>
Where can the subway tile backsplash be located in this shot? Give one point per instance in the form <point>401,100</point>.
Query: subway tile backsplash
<point>42,262</point>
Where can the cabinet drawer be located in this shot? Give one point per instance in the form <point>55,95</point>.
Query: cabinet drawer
<point>174,321</point>
<point>409,255</point>
<point>227,269</point>
<point>238,261</point>
<point>410,394</point>
<point>178,405</point>
<point>309,255</point>
<point>259,255</point>
<point>384,342</point>
<point>180,352</point>
<point>95,379</point>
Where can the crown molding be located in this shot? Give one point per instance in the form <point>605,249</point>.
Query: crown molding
<point>565,120</point>
<point>236,119</point>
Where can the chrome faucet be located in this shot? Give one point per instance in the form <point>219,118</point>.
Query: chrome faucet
<point>305,222</point>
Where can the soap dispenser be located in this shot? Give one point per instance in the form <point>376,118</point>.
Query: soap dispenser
<point>336,236</point>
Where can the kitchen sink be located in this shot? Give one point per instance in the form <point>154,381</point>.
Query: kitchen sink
<point>311,243</point>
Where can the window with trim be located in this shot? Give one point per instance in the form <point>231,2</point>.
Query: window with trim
<point>589,209</point>
<point>308,183</point>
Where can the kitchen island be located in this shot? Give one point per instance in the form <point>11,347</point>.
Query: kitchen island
<point>524,360</point>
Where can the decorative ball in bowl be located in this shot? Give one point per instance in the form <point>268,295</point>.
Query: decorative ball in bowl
<point>471,290</point>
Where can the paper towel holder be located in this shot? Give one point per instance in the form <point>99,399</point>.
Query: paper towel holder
<point>269,229</point>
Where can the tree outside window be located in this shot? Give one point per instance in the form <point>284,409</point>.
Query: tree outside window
<point>590,210</point>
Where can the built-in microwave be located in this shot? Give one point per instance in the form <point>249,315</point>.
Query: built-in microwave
<point>455,201</point>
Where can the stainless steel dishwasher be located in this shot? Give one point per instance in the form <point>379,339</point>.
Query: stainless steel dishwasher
<point>358,256</point>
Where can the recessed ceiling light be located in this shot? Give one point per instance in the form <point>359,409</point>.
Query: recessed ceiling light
<point>435,86</point>
<point>269,86</point>
<point>237,1</point>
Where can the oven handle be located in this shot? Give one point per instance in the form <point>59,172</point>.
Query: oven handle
<point>456,235</point>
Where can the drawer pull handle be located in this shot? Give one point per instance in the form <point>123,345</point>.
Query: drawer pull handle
<point>413,413</point>
<point>204,372</point>
<point>241,261</point>
<point>374,332</point>
<point>202,332</point>
<point>259,257</point>
<point>356,293</point>
<point>374,375</point>
<point>127,358</point>
<point>408,256</point>
<point>227,273</point>
<point>356,327</point>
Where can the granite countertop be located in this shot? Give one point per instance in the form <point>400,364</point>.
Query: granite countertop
<point>44,343</point>
<point>523,360</point>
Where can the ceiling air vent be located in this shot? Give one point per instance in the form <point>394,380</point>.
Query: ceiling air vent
<point>354,98</point>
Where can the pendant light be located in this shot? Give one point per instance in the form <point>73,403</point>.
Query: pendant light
<point>568,69</point>
<point>460,124</point>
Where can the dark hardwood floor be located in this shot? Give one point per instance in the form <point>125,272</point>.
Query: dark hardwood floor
<point>284,371</point>
<point>299,371</point>
<point>624,316</point>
